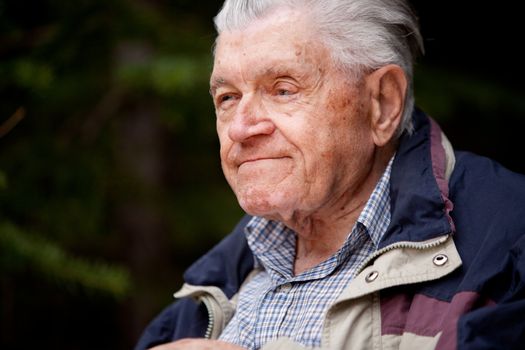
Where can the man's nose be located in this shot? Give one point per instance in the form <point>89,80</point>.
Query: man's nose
<point>250,119</point>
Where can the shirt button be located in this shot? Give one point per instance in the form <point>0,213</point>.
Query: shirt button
<point>285,287</point>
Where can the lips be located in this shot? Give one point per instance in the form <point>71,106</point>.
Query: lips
<point>256,159</point>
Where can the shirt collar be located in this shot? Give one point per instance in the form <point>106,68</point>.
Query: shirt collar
<point>375,216</point>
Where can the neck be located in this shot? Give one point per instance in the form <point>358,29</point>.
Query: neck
<point>321,234</point>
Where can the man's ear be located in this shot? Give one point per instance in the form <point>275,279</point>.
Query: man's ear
<point>387,86</point>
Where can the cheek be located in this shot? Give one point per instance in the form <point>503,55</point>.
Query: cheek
<point>224,140</point>
<point>350,120</point>
<point>340,135</point>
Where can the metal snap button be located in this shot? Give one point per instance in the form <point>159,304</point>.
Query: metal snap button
<point>440,260</point>
<point>285,287</point>
<point>371,276</point>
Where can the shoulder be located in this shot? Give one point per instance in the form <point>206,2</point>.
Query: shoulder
<point>225,265</point>
<point>489,211</point>
<point>488,187</point>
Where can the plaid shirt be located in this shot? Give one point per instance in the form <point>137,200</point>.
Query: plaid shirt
<point>275,303</point>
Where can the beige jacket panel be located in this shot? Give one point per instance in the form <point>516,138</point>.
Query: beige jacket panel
<point>405,263</point>
<point>354,321</point>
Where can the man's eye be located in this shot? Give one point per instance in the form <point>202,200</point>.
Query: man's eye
<point>224,99</point>
<point>284,89</point>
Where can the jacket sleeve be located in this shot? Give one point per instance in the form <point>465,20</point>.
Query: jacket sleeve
<point>172,324</point>
<point>496,327</point>
<point>500,326</point>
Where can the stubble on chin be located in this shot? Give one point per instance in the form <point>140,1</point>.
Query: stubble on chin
<point>270,203</point>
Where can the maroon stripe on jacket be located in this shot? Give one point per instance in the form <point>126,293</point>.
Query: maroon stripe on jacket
<point>461,304</point>
<point>426,316</point>
<point>439,164</point>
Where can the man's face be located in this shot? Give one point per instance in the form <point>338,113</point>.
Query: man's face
<point>294,131</point>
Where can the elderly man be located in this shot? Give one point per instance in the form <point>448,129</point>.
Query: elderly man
<point>366,229</point>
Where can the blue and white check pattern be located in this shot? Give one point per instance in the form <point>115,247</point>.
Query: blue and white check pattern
<point>275,303</point>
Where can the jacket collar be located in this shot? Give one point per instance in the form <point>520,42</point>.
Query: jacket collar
<point>420,205</point>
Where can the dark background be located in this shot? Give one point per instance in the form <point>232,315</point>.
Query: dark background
<point>110,183</point>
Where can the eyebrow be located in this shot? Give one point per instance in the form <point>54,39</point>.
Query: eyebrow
<point>216,83</point>
<point>272,71</point>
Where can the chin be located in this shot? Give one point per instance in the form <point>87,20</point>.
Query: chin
<point>268,204</point>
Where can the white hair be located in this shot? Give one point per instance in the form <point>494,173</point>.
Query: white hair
<point>362,35</point>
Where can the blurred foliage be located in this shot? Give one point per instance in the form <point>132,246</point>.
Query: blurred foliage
<point>110,183</point>
<point>21,251</point>
<point>108,164</point>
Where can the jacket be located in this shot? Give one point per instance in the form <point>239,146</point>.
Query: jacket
<point>449,272</point>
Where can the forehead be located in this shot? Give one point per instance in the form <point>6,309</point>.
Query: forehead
<point>278,44</point>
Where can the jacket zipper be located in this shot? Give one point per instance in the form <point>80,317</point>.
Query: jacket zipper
<point>404,244</point>
<point>211,318</point>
